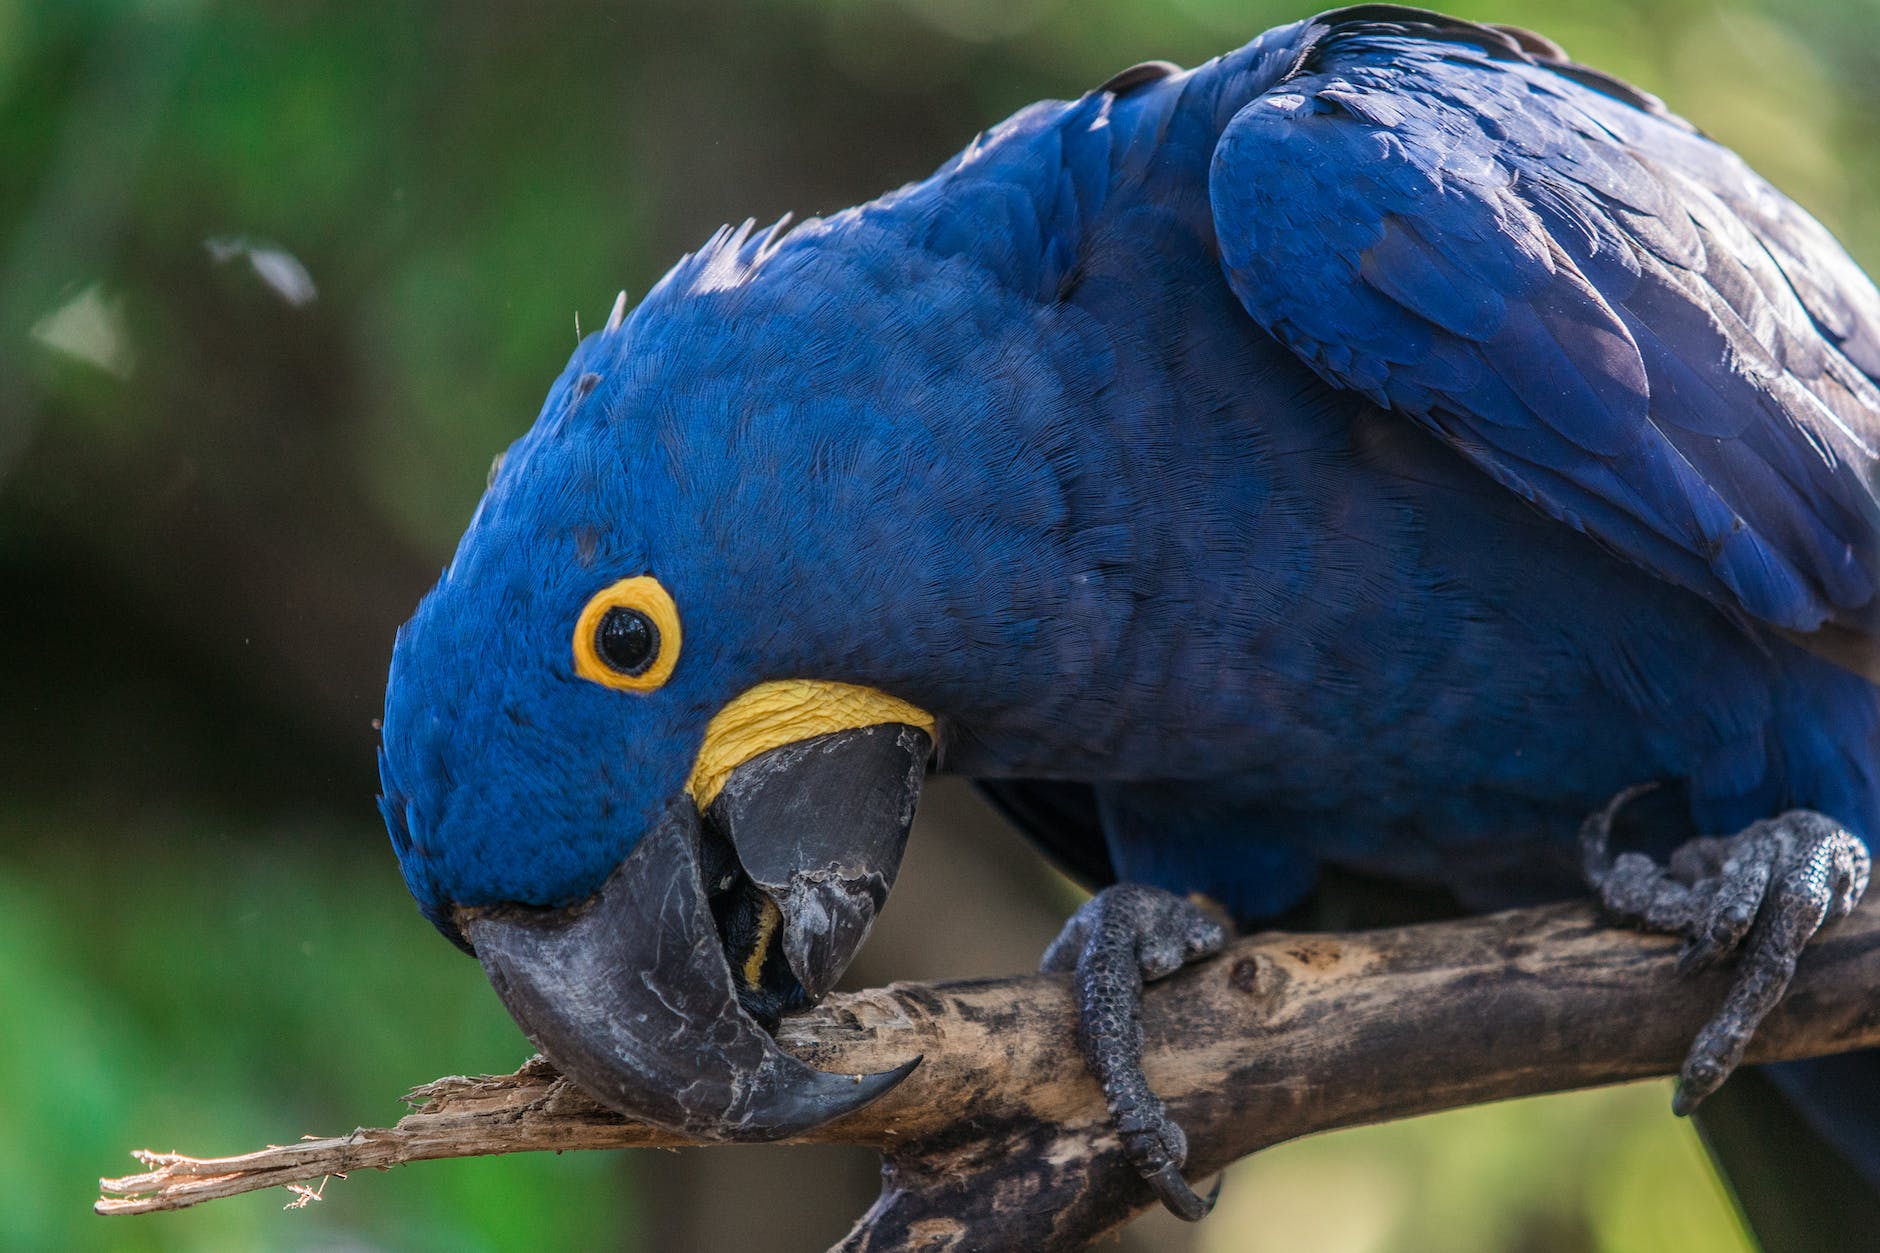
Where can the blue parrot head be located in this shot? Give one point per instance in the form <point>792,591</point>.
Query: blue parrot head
<point>659,798</point>
<point>492,789</point>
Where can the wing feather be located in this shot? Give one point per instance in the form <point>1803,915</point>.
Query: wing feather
<point>1607,312</point>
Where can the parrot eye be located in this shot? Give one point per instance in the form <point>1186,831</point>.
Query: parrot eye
<point>627,640</point>
<point>628,636</point>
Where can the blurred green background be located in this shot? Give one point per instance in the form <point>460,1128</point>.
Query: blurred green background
<point>276,281</point>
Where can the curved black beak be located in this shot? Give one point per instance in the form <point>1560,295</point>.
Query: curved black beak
<point>633,994</point>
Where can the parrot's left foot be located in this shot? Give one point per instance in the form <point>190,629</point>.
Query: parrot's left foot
<point>1767,889</point>
<point>1123,937</point>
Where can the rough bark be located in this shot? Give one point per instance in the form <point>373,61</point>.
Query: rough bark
<point>998,1139</point>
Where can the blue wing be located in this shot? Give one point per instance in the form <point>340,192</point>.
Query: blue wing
<point>1604,310</point>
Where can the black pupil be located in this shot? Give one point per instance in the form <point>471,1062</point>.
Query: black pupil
<point>627,640</point>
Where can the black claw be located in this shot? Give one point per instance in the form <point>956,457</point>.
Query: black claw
<point>1700,951</point>
<point>1695,1083</point>
<point>1178,1198</point>
<point>1596,832</point>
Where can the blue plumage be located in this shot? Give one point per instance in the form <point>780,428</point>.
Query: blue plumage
<point>1574,290</point>
<point>1373,448</point>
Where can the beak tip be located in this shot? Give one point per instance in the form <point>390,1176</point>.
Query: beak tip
<point>873,1087</point>
<point>804,1099</point>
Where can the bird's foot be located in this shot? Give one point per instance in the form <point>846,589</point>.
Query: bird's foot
<point>1123,937</point>
<point>1766,890</point>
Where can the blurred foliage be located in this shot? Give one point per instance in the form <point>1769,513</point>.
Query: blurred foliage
<point>227,985</point>
<point>276,280</point>
<point>1604,1170</point>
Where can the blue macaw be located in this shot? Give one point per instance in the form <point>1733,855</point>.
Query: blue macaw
<point>1364,455</point>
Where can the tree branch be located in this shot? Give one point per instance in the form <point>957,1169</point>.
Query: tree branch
<point>999,1138</point>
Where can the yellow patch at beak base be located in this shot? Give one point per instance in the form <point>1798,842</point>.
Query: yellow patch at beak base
<point>784,711</point>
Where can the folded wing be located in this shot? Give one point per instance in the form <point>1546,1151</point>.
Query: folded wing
<point>1605,311</point>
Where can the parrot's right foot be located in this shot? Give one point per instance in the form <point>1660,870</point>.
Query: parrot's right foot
<point>1766,890</point>
<point>1118,940</point>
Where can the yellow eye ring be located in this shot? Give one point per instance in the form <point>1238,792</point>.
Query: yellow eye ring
<point>627,636</point>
